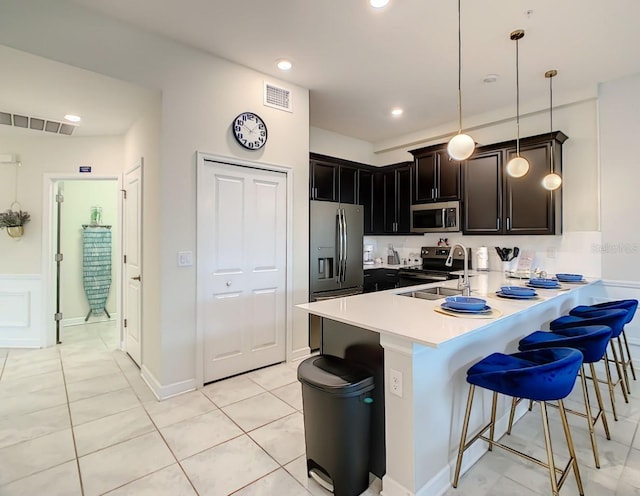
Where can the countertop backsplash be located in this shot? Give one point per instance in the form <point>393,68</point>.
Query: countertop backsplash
<point>572,252</point>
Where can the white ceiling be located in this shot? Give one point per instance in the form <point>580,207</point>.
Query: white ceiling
<point>358,62</point>
<point>37,87</point>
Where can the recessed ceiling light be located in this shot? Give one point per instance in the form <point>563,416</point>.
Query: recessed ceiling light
<point>490,78</point>
<point>378,4</point>
<point>284,64</point>
<point>72,118</point>
<point>396,112</point>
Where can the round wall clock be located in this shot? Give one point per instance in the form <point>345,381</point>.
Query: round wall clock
<point>250,131</point>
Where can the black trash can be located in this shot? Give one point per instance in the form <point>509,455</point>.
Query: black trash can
<point>337,398</point>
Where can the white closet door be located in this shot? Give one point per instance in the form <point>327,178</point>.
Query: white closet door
<point>242,258</point>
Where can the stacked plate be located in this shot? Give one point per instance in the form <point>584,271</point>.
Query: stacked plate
<point>543,283</point>
<point>517,292</point>
<point>569,278</point>
<point>465,304</point>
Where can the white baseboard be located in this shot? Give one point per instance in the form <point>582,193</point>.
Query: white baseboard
<point>164,392</point>
<point>299,354</point>
<point>74,321</point>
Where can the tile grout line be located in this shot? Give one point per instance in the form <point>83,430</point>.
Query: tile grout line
<point>73,434</point>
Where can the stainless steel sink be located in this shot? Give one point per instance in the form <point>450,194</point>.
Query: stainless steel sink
<point>432,293</point>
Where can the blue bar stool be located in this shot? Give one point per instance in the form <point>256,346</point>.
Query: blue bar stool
<point>540,375</point>
<point>592,342</point>
<point>614,319</point>
<point>630,306</point>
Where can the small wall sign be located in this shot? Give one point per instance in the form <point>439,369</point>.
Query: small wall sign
<point>84,168</point>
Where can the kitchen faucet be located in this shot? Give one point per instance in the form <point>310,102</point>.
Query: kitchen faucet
<point>464,284</point>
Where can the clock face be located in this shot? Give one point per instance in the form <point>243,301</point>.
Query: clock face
<point>250,131</point>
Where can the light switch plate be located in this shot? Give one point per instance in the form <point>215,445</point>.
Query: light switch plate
<point>185,258</point>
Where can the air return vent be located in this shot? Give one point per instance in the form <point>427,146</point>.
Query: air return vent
<point>277,97</point>
<point>36,123</point>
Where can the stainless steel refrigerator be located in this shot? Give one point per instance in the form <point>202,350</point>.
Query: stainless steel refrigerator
<point>336,233</point>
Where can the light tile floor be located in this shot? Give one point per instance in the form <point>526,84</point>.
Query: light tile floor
<point>77,419</point>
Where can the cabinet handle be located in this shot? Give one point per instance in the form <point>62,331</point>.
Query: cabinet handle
<point>508,224</point>
<point>436,195</point>
<point>498,223</point>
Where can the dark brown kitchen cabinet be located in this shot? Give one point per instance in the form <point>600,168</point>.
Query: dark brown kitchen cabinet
<point>332,179</point>
<point>365,198</point>
<point>482,202</point>
<point>380,279</point>
<point>395,183</point>
<point>323,181</point>
<point>436,177</point>
<point>496,203</point>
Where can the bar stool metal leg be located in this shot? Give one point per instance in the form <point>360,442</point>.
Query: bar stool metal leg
<point>628,361</point>
<point>547,443</point>
<point>624,365</point>
<point>612,396</point>
<point>463,436</point>
<point>492,429</point>
<point>620,380</point>
<point>572,450</point>
<point>601,413</point>
<point>589,417</point>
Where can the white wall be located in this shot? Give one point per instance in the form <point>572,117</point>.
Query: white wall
<point>338,145</point>
<point>620,178</point>
<point>79,197</point>
<point>201,95</point>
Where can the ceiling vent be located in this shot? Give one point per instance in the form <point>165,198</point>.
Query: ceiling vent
<point>277,97</point>
<point>36,123</point>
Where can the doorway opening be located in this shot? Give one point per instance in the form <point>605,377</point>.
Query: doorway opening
<point>82,229</point>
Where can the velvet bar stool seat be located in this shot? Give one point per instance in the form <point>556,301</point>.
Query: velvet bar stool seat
<point>615,319</point>
<point>630,306</point>
<point>592,342</point>
<point>540,375</point>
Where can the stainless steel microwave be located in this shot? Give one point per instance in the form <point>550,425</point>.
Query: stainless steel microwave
<point>435,217</point>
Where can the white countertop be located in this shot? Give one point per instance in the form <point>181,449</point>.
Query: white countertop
<point>415,319</point>
<point>377,265</point>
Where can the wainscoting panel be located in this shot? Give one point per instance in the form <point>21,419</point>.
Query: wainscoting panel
<point>624,290</point>
<point>20,311</point>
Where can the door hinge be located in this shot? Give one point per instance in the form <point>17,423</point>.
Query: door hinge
<point>125,322</point>
<point>125,259</point>
<point>57,316</point>
<point>124,193</point>
<point>59,257</point>
<point>59,198</point>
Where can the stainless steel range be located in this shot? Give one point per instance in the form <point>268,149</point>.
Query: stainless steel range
<point>433,268</point>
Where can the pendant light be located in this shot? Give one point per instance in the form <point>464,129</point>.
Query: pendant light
<point>461,146</point>
<point>518,166</point>
<point>551,181</point>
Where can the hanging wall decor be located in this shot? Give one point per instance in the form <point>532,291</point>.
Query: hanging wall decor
<point>14,219</point>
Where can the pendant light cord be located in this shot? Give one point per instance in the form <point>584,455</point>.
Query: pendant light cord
<point>551,121</point>
<point>459,72</point>
<point>517,100</point>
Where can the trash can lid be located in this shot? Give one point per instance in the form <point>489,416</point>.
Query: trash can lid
<point>335,375</point>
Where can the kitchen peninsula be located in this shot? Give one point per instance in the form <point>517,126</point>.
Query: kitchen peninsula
<point>432,352</point>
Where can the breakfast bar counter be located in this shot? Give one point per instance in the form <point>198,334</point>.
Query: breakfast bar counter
<point>430,352</point>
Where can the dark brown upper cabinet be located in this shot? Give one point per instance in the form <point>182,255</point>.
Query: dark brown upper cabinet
<point>437,177</point>
<point>395,183</point>
<point>332,179</point>
<point>496,203</point>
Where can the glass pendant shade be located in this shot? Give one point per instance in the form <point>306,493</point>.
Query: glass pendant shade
<point>551,181</point>
<point>518,166</point>
<point>461,146</point>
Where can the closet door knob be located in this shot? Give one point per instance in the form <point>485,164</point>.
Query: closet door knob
<point>136,278</point>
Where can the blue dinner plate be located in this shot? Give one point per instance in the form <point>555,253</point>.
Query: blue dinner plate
<point>466,303</point>
<point>517,291</point>
<point>485,309</point>
<point>543,286</point>
<point>569,277</point>
<point>515,296</point>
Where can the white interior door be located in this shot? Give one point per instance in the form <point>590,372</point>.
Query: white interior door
<point>242,262</point>
<point>132,266</point>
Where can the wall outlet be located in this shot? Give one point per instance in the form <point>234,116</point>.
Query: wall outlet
<point>395,382</point>
<point>551,252</point>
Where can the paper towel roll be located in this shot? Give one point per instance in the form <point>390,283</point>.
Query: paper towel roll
<point>482,258</point>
